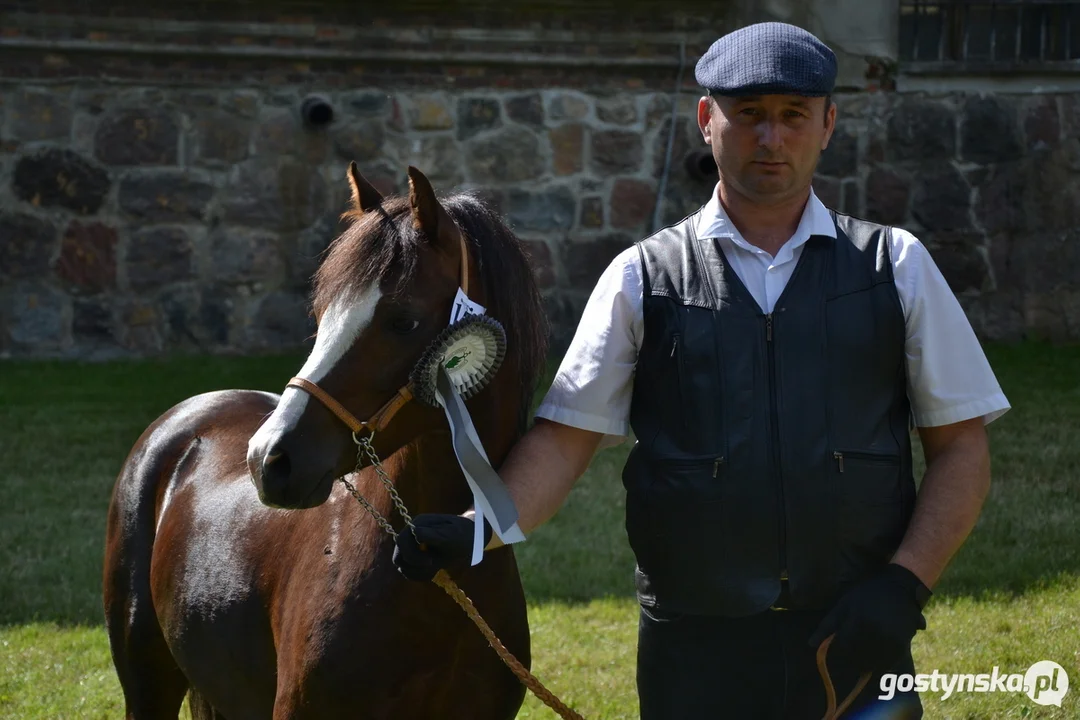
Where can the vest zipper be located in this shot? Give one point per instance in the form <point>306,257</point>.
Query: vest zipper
<point>776,444</point>
<point>679,371</point>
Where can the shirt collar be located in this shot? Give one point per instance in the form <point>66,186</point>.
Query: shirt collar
<point>715,223</point>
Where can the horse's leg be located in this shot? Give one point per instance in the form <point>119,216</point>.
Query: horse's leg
<point>153,685</point>
<point>201,709</point>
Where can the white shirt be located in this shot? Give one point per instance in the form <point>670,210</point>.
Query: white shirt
<point>949,377</point>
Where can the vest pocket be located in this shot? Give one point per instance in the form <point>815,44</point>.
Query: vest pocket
<point>869,506</point>
<point>674,523</point>
<point>868,477</point>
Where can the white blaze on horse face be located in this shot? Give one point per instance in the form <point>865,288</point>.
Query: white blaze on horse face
<point>341,325</point>
<point>339,328</point>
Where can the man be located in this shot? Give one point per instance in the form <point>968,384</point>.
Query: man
<point>768,355</point>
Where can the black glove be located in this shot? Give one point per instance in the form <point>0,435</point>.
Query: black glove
<point>448,540</point>
<point>875,620</point>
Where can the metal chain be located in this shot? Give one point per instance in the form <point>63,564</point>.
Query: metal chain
<point>379,519</point>
<point>364,448</point>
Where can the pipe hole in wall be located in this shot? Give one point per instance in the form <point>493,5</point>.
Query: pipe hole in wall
<point>316,111</point>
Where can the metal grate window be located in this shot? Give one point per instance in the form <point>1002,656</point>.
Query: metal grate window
<point>1003,32</point>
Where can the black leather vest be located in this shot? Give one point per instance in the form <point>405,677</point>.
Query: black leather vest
<point>768,445</point>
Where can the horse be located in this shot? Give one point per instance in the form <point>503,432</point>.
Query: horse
<point>239,573</point>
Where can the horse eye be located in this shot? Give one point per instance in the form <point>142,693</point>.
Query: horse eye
<point>405,325</point>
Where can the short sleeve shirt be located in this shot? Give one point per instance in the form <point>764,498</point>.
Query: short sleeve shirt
<point>949,377</point>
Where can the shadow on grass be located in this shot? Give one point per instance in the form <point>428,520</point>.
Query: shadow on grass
<point>65,429</point>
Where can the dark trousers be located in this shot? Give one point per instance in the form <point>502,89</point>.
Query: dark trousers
<point>698,667</point>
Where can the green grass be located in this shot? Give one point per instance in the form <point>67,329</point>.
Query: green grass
<point>1010,598</point>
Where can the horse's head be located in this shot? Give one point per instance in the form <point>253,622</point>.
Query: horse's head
<point>382,295</point>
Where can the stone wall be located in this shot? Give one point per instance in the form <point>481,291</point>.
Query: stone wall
<point>991,185</point>
<point>140,216</point>
<point>146,220</point>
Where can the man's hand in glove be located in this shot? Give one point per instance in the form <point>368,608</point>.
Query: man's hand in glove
<point>875,620</point>
<point>447,540</point>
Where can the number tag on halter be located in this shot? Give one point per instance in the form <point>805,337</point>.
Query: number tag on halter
<point>464,306</point>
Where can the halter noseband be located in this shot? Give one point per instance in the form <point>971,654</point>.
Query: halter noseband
<point>382,417</point>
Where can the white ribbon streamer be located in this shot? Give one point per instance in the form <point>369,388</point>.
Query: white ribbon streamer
<point>491,499</point>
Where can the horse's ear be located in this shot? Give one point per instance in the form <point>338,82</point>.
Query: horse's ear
<point>364,195</point>
<point>429,216</point>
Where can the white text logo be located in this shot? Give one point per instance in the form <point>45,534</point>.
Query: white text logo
<point>1045,683</point>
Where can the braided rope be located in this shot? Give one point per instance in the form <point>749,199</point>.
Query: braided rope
<point>832,712</point>
<point>527,678</point>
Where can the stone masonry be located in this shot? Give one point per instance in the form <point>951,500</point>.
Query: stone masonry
<point>140,220</point>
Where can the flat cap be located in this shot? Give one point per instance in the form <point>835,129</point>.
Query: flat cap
<point>770,58</point>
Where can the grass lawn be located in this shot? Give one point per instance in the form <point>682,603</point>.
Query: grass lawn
<point>1010,598</point>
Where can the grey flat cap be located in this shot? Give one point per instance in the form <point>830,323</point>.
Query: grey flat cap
<point>768,59</point>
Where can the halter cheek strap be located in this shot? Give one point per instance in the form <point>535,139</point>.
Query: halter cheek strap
<point>464,263</point>
<point>380,419</point>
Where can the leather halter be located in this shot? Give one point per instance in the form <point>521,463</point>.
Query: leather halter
<point>382,417</point>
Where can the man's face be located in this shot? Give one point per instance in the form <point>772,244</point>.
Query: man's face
<point>766,147</point>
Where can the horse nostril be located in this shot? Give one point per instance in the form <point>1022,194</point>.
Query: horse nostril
<point>276,467</point>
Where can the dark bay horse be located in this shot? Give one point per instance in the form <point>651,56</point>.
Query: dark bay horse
<point>237,570</point>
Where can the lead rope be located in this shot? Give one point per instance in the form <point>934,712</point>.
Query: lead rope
<point>364,448</point>
<point>832,712</point>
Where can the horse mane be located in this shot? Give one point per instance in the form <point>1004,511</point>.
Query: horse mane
<point>383,245</point>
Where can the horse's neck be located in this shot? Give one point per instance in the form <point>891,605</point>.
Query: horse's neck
<point>430,475</point>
